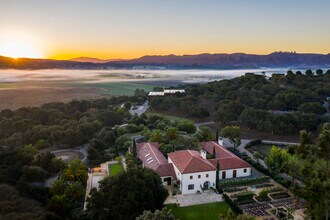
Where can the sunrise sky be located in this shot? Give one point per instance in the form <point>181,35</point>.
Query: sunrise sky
<point>64,29</point>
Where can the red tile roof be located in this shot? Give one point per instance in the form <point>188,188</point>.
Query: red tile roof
<point>167,169</point>
<point>152,158</point>
<point>230,163</point>
<point>220,151</point>
<point>227,160</point>
<point>188,161</point>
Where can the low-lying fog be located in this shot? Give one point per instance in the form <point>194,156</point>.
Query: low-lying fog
<point>103,76</point>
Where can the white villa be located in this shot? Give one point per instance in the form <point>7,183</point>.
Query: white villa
<point>190,169</point>
<point>166,92</point>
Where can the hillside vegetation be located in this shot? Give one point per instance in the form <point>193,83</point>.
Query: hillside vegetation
<point>281,104</point>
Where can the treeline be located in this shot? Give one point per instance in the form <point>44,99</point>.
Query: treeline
<point>281,104</point>
<point>60,125</point>
<point>308,162</point>
<point>28,133</point>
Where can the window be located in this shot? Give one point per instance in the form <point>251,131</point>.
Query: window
<point>191,177</point>
<point>245,170</point>
<point>199,176</point>
<point>207,175</point>
<point>191,187</point>
<point>223,174</point>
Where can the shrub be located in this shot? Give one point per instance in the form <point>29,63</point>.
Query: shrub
<point>244,196</point>
<point>118,159</point>
<point>232,204</point>
<point>280,195</point>
<point>263,194</point>
<point>284,182</point>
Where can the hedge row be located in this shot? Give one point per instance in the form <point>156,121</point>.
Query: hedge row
<point>244,196</point>
<point>232,204</point>
<point>244,182</point>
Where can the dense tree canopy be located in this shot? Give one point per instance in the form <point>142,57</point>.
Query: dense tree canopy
<point>126,195</point>
<point>164,214</point>
<point>283,104</point>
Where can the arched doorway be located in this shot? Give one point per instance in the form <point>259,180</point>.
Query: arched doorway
<point>206,185</point>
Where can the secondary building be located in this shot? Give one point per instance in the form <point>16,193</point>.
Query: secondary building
<point>231,166</point>
<point>152,158</point>
<point>190,169</point>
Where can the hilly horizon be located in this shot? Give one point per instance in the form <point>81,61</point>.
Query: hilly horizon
<point>205,60</point>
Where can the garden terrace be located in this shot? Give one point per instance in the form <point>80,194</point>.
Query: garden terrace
<point>236,189</point>
<point>295,203</point>
<point>243,182</point>
<point>244,198</point>
<point>279,195</point>
<point>256,209</point>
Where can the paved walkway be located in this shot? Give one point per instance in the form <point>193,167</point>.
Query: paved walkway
<point>198,198</point>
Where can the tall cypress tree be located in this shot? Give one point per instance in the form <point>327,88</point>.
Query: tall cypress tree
<point>134,148</point>
<point>217,181</point>
<point>214,153</point>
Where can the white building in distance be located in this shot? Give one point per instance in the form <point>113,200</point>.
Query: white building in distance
<point>166,92</point>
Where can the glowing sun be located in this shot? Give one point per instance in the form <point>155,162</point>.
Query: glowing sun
<point>18,49</point>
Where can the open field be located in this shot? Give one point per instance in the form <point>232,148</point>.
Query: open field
<point>120,88</point>
<point>209,211</point>
<point>170,117</point>
<point>19,94</point>
<point>20,88</point>
<point>114,169</point>
<point>14,98</point>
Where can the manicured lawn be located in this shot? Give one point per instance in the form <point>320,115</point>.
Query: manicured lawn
<point>170,117</point>
<point>5,85</point>
<point>209,211</point>
<point>116,168</point>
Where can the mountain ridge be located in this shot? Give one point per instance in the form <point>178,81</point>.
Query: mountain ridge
<point>204,60</point>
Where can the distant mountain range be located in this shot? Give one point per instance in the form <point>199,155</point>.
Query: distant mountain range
<point>94,60</point>
<point>214,61</point>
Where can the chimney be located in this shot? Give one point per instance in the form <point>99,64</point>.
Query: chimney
<point>203,154</point>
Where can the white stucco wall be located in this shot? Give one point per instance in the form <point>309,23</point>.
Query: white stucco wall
<point>239,173</point>
<point>185,180</point>
<point>225,142</point>
<point>197,182</point>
